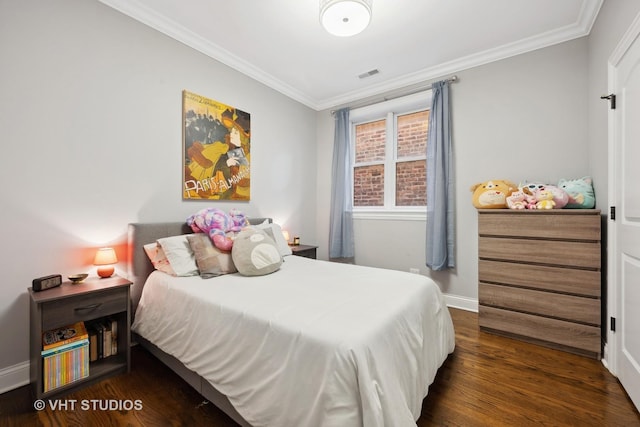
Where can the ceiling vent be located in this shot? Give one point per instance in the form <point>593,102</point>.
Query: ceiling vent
<point>369,74</point>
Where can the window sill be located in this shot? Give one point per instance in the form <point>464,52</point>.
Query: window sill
<point>390,215</point>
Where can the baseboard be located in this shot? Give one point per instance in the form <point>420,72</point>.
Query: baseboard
<point>463,303</point>
<point>14,376</point>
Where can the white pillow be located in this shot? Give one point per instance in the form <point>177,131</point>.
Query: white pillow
<point>180,255</point>
<point>158,258</point>
<point>275,232</point>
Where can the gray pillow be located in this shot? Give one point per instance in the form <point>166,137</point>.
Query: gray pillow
<point>255,253</point>
<point>211,261</point>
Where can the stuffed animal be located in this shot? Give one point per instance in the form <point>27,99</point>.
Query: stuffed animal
<point>517,200</point>
<point>560,197</point>
<point>239,220</point>
<point>529,199</point>
<point>255,253</point>
<point>492,194</point>
<point>545,199</point>
<point>220,226</point>
<point>580,191</point>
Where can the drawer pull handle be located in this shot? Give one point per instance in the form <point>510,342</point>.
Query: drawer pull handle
<point>88,307</point>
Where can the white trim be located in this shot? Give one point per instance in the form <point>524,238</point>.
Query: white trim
<point>389,215</point>
<point>463,303</point>
<point>14,376</point>
<point>580,28</point>
<point>161,23</point>
<point>137,11</point>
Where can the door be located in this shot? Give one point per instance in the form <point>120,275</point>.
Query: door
<point>624,260</point>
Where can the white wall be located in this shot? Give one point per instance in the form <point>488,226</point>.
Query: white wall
<point>90,128</point>
<point>522,118</point>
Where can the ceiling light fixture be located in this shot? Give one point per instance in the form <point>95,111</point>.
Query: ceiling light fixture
<point>345,18</point>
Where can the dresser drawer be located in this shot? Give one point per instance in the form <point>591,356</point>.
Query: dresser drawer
<point>67,311</point>
<point>583,338</point>
<point>551,252</point>
<point>541,225</point>
<point>543,277</point>
<point>565,307</point>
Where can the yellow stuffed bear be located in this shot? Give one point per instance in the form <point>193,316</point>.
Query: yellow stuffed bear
<point>492,194</point>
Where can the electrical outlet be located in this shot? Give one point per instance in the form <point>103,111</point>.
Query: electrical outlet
<point>414,270</point>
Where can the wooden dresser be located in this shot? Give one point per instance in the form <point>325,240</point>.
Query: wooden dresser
<point>539,277</point>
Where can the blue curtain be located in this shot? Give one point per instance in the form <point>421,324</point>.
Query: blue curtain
<point>341,221</point>
<point>440,195</point>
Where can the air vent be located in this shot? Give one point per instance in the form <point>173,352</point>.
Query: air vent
<point>368,74</point>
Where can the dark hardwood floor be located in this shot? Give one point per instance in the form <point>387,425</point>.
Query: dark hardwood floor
<point>488,381</point>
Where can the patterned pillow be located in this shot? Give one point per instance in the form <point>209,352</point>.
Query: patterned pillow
<point>158,258</point>
<point>255,253</point>
<point>211,261</point>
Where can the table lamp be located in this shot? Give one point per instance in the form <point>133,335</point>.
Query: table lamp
<point>105,258</point>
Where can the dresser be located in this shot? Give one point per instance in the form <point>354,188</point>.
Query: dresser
<point>540,277</point>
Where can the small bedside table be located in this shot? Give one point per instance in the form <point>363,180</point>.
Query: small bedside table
<point>92,299</point>
<point>307,251</point>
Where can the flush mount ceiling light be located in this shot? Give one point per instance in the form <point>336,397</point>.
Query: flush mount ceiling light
<point>345,17</point>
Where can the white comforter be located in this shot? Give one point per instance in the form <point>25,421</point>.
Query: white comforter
<point>313,344</point>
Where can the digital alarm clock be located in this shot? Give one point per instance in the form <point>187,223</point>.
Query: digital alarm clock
<point>47,282</point>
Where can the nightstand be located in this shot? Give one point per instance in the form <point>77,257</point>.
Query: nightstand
<point>306,251</point>
<point>69,303</point>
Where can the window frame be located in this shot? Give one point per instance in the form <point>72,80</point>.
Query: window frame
<point>388,110</point>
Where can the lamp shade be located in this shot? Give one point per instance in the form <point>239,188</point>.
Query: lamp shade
<point>105,258</point>
<point>345,18</point>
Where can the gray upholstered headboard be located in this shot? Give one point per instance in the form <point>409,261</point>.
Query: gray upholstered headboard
<point>138,265</point>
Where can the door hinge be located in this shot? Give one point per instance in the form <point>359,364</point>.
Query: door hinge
<point>613,324</point>
<point>612,100</point>
<point>612,213</point>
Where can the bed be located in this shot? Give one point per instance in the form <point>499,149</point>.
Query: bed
<point>315,343</point>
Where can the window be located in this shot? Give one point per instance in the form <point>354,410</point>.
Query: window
<point>389,155</point>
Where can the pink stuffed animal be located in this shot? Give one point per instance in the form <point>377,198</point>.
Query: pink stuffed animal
<point>516,200</point>
<point>220,226</point>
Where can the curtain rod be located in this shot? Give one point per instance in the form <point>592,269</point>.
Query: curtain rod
<point>451,79</point>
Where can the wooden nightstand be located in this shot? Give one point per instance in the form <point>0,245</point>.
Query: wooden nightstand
<point>307,251</point>
<point>94,298</point>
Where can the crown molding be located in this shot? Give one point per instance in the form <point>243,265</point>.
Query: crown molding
<point>149,17</point>
<point>136,10</point>
<point>582,27</point>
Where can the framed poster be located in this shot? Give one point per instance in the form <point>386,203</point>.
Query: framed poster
<point>216,147</point>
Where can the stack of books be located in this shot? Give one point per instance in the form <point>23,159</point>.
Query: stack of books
<point>65,354</point>
<point>103,338</point>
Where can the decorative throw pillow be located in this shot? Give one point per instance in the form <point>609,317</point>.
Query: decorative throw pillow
<point>180,255</point>
<point>255,253</point>
<point>211,261</point>
<point>158,258</point>
<point>275,232</point>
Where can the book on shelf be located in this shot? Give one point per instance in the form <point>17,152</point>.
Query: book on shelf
<point>103,338</point>
<point>65,364</point>
<point>64,335</point>
<point>93,345</point>
<point>65,347</point>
